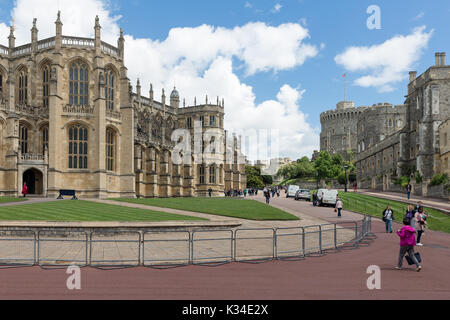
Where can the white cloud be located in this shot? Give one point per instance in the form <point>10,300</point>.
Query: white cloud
<point>419,16</point>
<point>277,8</point>
<point>248,5</point>
<point>386,63</point>
<point>199,61</point>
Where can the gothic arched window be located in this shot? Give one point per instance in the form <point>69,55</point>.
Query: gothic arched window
<point>23,139</point>
<point>23,87</point>
<point>79,84</point>
<point>110,149</point>
<point>1,85</point>
<point>109,89</point>
<point>78,147</point>
<point>44,139</point>
<point>45,85</point>
<point>212,174</point>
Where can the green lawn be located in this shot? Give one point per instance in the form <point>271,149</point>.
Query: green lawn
<point>81,211</point>
<point>375,206</point>
<point>11,199</point>
<point>237,208</point>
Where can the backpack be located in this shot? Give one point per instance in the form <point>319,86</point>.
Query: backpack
<point>410,215</point>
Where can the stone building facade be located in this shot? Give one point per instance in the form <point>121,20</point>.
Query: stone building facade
<point>394,141</point>
<point>444,134</point>
<point>339,129</point>
<point>69,119</point>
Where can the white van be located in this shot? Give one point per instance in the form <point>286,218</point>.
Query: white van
<point>292,190</point>
<point>327,197</point>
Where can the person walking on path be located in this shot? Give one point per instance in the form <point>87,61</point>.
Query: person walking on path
<point>408,190</point>
<point>388,217</point>
<point>410,214</point>
<point>355,186</point>
<point>407,244</point>
<point>314,196</point>
<point>419,225</point>
<point>210,192</point>
<point>267,195</point>
<point>339,206</point>
<point>24,189</point>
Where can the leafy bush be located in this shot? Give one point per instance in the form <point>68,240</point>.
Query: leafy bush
<point>418,177</point>
<point>439,179</point>
<point>402,181</point>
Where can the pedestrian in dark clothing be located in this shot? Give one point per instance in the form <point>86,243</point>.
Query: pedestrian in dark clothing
<point>408,190</point>
<point>210,192</point>
<point>267,194</point>
<point>388,217</point>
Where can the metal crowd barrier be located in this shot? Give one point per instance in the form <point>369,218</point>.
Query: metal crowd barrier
<point>167,249</point>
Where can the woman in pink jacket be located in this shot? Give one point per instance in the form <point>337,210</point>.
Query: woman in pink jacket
<point>407,243</point>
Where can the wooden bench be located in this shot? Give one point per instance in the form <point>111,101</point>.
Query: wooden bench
<point>63,193</point>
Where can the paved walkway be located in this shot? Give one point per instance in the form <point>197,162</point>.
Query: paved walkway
<point>28,201</point>
<point>439,204</point>
<point>339,275</point>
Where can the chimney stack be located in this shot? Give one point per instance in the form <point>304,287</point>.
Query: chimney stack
<point>412,76</point>
<point>442,59</point>
<point>437,58</point>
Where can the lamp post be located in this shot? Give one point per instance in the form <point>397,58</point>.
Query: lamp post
<point>346,168</point>
<point>317,180</point>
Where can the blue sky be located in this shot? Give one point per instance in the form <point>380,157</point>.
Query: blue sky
<point>332,26</point>
<point>337,24</point>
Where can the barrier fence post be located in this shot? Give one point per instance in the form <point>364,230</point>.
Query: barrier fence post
<point>303,242</point>
<point>191,249</point>
<point>320,239</point>
<point>275,251</point>
<point>335,236</point>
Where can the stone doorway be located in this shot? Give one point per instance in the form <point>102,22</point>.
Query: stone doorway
<point>35,182</point>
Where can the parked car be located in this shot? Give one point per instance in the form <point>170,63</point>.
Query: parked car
<point>292,190</point>
<point>303,194</point>
<point>327,197</point>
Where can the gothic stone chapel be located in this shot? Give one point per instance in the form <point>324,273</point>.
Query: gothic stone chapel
<point>69,119</point>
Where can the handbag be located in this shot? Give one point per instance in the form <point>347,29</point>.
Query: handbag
<point>410,261</point>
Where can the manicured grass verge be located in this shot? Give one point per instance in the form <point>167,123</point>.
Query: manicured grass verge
<point>81,211</point>
<point>374,206</point>
<point>237,208</point>
<point>11,199</point>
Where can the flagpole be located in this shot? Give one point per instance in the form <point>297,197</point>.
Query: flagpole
<point>345,87</point>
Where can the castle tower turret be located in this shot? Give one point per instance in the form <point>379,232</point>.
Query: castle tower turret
<point>138,87</point>
<point>121,46</point>
<point>175,98</point>
<point>34,36</point>
<point>151,92</point>
<point>58,36</point>
<point>97,29</point>
<point>11,38</point>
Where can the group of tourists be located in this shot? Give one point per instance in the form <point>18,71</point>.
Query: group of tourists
<point>268,191</point>
<point>234,193</point>
<point>415,222</point>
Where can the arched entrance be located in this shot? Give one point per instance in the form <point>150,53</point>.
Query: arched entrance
<point>35,182</point>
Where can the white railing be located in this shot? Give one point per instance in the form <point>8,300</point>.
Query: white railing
<point>113,115</point>
<point>109,49</point>
<point>77,42</point>
<point>79,110</point>
<point>46,43</point>
<point>4,50</point>
<point>31,157</point>
<point>22,50</point>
